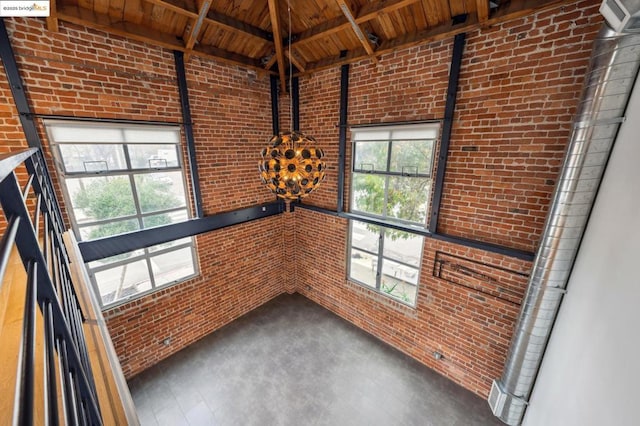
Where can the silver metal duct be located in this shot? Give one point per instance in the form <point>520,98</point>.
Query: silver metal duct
<point>614,65</point>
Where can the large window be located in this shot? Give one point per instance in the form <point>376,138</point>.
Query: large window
<point>123,178</point>
<point>391,184</point>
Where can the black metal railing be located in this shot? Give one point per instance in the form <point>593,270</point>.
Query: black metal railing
<point>34,226</point>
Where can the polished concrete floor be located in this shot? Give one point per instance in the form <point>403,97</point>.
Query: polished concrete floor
<point>292,362</point>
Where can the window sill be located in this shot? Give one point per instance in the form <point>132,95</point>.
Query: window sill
<point>387,301</point>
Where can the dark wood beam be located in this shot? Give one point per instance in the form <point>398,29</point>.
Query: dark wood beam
<point>277,41</point>
<point>238,27</point>
<point>364,40</point>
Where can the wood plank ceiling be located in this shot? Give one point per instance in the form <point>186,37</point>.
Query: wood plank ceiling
<point>256,33</point>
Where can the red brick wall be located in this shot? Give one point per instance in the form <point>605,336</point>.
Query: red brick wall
<point>233,281</point>
<point>470,328</point>
<point>12,136</point>
<point>82,72</point>
<point>518,89</point>
<point>231,111</point>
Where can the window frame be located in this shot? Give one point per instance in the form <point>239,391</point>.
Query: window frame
<point>384,221</point>
<point>130,173</point>
<point>432,128</point>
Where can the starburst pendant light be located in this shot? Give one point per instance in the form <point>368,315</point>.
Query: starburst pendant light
<point>292,166</point>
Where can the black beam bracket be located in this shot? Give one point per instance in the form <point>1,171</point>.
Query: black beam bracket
<point>18,89</point>
<point>295,104</point>
<point>342,138</point>
<point>275,113</point>
<point>188,131</point>
<point>123,243</point>
<point>22,105</point>
<point>447,124</point>
<point>481,245</point>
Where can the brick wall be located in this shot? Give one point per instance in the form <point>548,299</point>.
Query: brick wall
<point>13,138</point>
<point>231,111</point>
<point>518,89</point>
<point>233,281</point>
<point>86,73</point>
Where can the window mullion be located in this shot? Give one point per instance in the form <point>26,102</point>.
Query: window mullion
<point>125,148</point>
<point>70,211</point>
<point>380,259</point>
<point>147,255</point>
<point>136,201</point>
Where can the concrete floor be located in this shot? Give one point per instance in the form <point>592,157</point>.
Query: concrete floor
<point>292,362</point>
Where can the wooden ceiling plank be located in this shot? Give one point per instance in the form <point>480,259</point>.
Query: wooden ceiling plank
<point>103,22</point>
<point>197,25</point>
<point>368,12</point>
<point>373,10</point>
<point>277,41</point>
<point>512,10</point>
<point>364,40</point>
<point>52,19</point>
<point>134,11</point>
<point>482,10</point>
<point>116,8</point>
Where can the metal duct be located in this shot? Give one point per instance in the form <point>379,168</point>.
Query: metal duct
<point>614,65</point>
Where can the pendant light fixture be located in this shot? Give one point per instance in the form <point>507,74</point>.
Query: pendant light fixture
<point>292,165</point>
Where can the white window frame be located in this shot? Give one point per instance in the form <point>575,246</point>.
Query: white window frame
<point>129,172</point>
<point>429,133</point>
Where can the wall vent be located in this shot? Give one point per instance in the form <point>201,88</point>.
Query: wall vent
<point>622,15</point>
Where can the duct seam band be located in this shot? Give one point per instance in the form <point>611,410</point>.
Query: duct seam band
<point>556,290</point>
<point>603,122</point>
<point>520,399</point>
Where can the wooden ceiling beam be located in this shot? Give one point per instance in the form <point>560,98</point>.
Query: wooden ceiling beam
<point>216,19</point>
<point>197,25</point>
<point>277,41</point>
<point>367,13</point>
<point>270,62</point>
<point>295,61</point>
<point>364,40</point>
<point>103,22</point>
<point>512,10</point>
<point>482,10</point>
<point>52,19</point>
